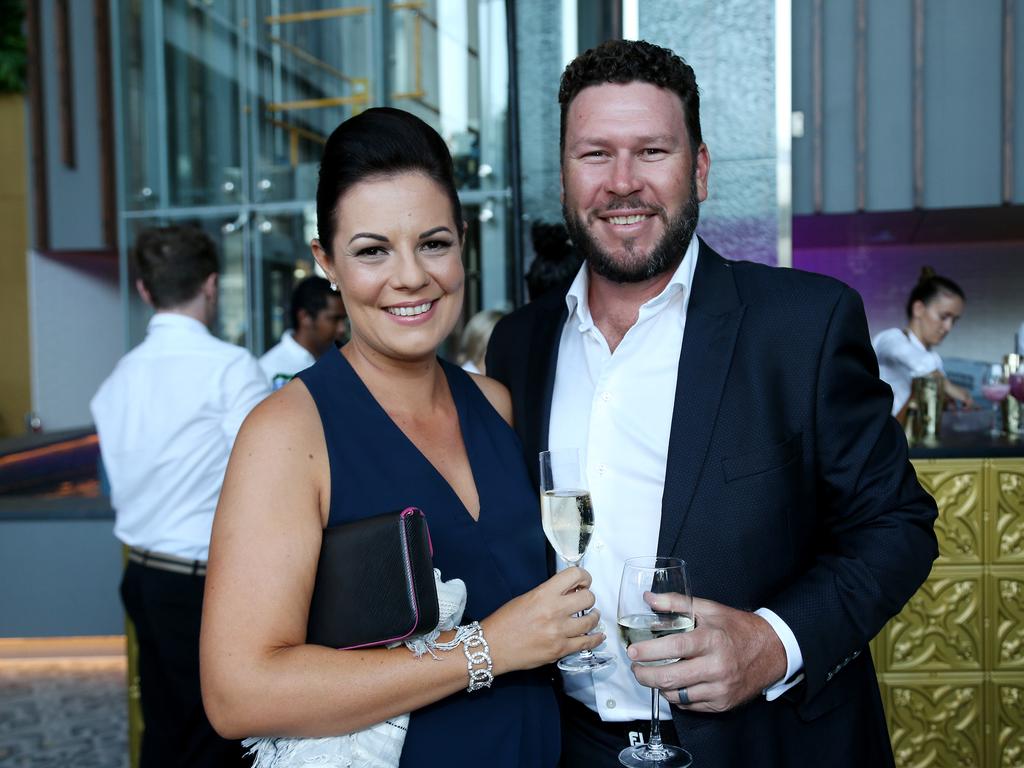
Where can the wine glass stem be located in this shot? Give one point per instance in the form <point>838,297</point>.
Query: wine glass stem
<point>654,742</point>
<point>585,653</point>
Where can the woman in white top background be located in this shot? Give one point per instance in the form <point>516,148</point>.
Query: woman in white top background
<point>934,306</point>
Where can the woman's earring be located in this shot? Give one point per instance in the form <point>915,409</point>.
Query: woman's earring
<point>334,287</point>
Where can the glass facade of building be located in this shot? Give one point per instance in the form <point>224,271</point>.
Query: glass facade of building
<point>223,107</point>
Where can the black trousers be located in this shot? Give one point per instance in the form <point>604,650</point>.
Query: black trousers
<point>166,609</point>
<point>589,743</point>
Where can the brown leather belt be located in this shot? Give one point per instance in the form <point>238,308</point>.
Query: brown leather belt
<point>162,562</point>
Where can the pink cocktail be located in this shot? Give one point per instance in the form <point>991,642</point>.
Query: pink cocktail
<point>995,393</point>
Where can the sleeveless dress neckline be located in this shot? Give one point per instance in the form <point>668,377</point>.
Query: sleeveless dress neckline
<point>460,412</point>
<point>375,468</point>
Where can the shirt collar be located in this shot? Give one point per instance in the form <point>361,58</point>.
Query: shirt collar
<point>577,303</point>
<point>175,321</point>
<point>916,341</point>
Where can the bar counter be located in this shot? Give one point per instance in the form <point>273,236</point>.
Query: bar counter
<point>951,664</point>
<point>970,445</point>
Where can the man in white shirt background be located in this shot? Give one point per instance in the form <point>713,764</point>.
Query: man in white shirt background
<point>167,417</point>
<point>730,414</point>
<point>318,322</point>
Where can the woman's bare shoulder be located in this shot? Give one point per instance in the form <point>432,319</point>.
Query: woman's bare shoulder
<point>497,395</point>
<point>285,422</point>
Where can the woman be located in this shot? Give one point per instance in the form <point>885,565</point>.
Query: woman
<point>381,425</point>
<point>934,306</point>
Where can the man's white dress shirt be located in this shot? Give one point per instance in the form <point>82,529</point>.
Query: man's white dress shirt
<point>167,417</point>
<point>287,357</point>
<point>617,409</point>
<point>901,358</point>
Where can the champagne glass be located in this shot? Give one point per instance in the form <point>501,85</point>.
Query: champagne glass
<point>568,520</point>
<point>642,578</point>
<point>995,388</point>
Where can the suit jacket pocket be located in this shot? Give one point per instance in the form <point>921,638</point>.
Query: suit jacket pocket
<point>762,460</point>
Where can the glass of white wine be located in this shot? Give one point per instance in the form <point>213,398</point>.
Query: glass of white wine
<point>568,520</point>
<point>643,578</point>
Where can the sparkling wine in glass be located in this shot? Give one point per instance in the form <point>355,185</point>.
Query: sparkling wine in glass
<point>643,578</point>
<point>567,517</point>
<point>995,388</point>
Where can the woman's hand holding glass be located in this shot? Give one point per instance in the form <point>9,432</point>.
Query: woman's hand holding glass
<point>567,517</point>
<point>544,624</point>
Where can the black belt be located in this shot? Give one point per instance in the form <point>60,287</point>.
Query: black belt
<point>628,733</point>
<point>162,562</point>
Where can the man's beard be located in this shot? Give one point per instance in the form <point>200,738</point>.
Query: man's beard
<point>635,267</point>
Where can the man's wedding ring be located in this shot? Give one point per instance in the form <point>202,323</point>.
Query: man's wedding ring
<point>684,697</point>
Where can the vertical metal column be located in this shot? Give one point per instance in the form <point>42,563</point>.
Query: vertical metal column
<point>861,103</point>
<point>1008,99</point>
<point>918,104</point>
<point>160,94</point>
<point>817,102</point>
<point>784,130</point>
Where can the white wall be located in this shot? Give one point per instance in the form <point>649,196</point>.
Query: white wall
<point>76,333</point>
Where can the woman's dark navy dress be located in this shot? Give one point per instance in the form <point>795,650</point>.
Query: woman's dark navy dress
<point>374,469</point>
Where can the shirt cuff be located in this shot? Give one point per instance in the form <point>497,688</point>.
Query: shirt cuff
<point>794,658</point>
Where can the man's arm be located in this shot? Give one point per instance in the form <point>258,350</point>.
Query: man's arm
<point>878,540</point>
<point>874,548</point>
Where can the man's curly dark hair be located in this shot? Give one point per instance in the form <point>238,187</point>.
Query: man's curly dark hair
<point>627,61</point>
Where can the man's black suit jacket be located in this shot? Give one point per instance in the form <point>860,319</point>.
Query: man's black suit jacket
<point>787,486</point>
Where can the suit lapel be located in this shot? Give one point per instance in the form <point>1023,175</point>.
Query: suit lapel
<point>712,324</point>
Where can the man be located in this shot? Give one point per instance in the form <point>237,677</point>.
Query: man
<point>167,418</point>
<point>731,414</point>
<point>318,321</point>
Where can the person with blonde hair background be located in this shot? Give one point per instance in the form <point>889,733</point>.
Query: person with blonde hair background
<point>473,343</point>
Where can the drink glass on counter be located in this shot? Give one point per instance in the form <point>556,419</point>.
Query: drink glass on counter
<point>995,388</point>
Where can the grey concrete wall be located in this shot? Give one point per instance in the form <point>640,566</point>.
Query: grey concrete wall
<point>731,46</point>
<point>539,52</point>
<point>60,578</point>
<point>76,336</point>
<point>75,204</point>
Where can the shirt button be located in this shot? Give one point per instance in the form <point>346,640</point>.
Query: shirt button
<point>601,469</point>
<point>610,703</point>
<point>606,396</point>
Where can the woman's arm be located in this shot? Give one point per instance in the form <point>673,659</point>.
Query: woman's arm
<point>258,675</point>
<point>957,393</point>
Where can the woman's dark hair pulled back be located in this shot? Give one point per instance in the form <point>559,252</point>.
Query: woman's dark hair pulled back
<point>929,286</point>
<point>376,144</point>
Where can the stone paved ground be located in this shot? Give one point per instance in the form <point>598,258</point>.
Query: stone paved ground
<point>63,713</point>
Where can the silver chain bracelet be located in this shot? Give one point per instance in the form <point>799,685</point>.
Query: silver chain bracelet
<point>479,664</point>
<point>478,653</point>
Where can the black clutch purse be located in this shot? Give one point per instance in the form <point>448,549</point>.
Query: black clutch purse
<point>374,582</point>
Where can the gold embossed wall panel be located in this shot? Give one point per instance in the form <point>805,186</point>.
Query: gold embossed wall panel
<point>942,627</point>
<point>1005,507</point>
<point>1005,719</point>
<point>936,723</point>
<point>1004,617</point>
<point>958,490</point>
